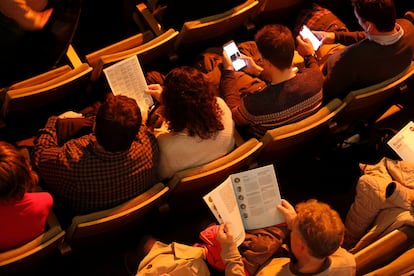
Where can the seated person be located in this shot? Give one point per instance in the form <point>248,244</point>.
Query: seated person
<point>384,196</point>
<point>315,244</point>
<point>198,124</point>
<point>289,95</point>
<point>24,39</point>
<point>383,50</point>
<point>29,15</point>
<point>116,162</point>
<point>23,212</point>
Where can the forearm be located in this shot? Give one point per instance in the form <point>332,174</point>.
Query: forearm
<point>231,96</point>
<point>228,89</point>
<point>232,260</point>
<point>311,62</point>
<point>46,138</point>
<point>348,38</point>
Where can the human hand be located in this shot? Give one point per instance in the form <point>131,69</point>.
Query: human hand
<point>325,37</point>
<point>227,64</point>
<point>70,114</point>
<point>42,18</point>
<point>288,212</point>
<point>304,46</point>
<point>155,90</point>
<point>252,68</point>
<point>225,235</point>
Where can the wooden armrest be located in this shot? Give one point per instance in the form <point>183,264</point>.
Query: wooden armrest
<point>47,76</point>
<point>48,80</point>
<point>125,44</point>
<point>384,249</point>
<point>153,194</point>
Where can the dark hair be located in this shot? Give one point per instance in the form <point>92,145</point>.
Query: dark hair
<point>189,102</point>
<point>117,123</point>
<point>275,43</point>
<point>320,227</point>
<point>16,174</point>
<point>380,12</point>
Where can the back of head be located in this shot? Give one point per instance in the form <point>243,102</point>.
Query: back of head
<point>320,227</point>
<point>276,44</point>
<point>380,12</point>
<point>190,104</point>
<point>16,175</point>
<point>117,123</point>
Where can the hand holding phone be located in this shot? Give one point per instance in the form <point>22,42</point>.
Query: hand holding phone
<point>233,52</point>
<point>305,32</point>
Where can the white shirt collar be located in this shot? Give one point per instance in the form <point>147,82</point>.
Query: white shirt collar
<point>387,39</point>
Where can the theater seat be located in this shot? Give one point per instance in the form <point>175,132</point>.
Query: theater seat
<point>383,251</point>
<point>96,227</point>
<point>187,187</point>
<point>27,104</point>
<point>282,144</point>
<point>28,257</point>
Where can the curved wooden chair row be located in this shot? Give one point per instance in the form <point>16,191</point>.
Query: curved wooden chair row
<point>199,34</point>
<point>83,231</point>
<point>27,103</point>
<point>188,187</point>
<point>148,48</point>
<point>364,106</point>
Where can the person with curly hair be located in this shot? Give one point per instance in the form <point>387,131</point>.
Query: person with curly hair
<point>24,211</point>
<point>199,125</point>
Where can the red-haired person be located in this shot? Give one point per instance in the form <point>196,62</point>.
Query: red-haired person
<point>24,212</point>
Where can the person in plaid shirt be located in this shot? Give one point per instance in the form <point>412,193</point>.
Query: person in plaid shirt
<point>117,161</point>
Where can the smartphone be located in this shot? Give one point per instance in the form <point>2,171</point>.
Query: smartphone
<point>233,52</point>
<point>305,32</point>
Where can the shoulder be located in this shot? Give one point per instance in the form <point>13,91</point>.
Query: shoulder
<point>342,256</point>
<point>39,199</point>
<point>342,260</point>
<point>146,139</point>
<point>310,73</point>
<point>276,266</point>
<point>223,105</point>
<point>405,24</point>
<point>308,78</point>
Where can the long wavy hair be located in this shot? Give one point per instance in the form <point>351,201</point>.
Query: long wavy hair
<point>16,174</point>
<point>189,103</point>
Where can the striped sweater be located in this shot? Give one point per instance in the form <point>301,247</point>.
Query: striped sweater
<point>276,104</point>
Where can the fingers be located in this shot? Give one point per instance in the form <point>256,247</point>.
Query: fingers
<point>155,90</point>
<point>70,114</point>
<point>227,229</point>
<point>227,65</point>
<point>304,46</point>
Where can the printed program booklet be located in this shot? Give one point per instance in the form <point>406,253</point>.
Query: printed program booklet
<point>403,142</point>
<point>126,78</point>
<point>247,200</point>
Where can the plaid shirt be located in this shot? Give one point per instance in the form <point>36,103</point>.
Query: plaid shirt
<point>86,178</point>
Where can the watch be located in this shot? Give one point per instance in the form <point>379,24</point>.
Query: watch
<point>308,57</point>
